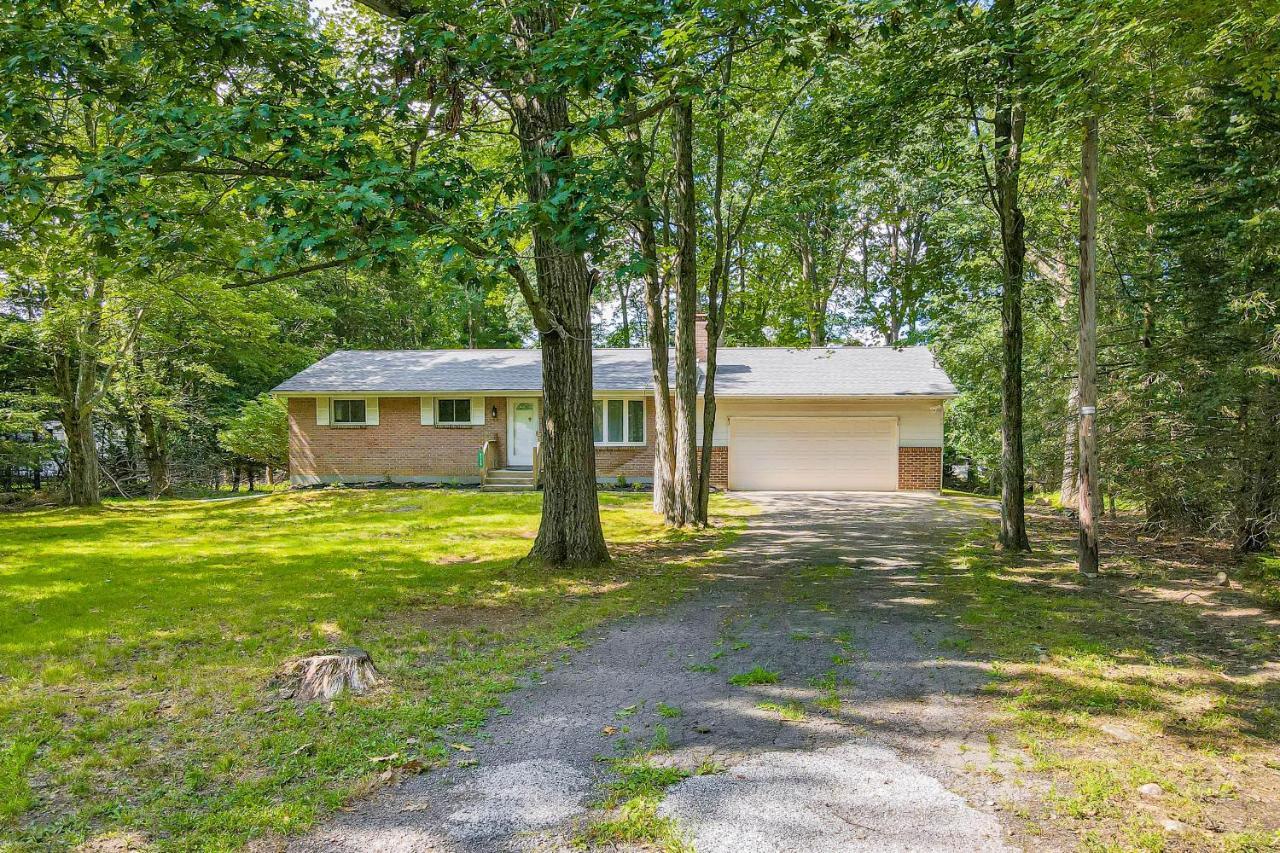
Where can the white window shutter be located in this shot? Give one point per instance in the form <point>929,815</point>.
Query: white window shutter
<point>477,411</point>
<point>322,411</point>
<point>371,411</point>
<point>427,411</point>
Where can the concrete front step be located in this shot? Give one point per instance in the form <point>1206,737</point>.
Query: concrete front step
<point>507,487</point>
<point>505,475</point>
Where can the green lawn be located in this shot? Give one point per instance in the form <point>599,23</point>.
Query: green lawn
<point>138,644</point>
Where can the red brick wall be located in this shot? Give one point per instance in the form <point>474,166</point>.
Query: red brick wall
<point>700,337</point>
<point>920,468</point>
<point>401,447</point>
<point>720,467</point>
<point>398,447</point>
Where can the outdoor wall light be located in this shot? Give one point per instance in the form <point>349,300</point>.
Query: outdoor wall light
<point>493,412</point>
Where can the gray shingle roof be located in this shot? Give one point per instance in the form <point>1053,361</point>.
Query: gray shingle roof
<point>743,371</point>
<point>830,372</point>
<point>459,370</point>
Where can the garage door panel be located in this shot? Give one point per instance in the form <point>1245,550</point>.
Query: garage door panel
<point>813,454</point>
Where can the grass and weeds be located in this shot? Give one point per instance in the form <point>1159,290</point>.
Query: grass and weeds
<point>138,643</point>
<point>1149,674</point>
<point>756,675</point>
<point>1262,575</point>
<point>636,821</point>
<point>792,712</point>
<point>630,805</point>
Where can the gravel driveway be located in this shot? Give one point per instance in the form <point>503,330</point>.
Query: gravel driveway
<point>822,589</point>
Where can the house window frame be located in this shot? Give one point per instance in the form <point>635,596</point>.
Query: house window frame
<point>603,402</point>
<point>333,411</point>
<point>440,421</point>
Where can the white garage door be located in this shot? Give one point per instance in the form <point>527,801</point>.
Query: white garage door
<point>813,454</point>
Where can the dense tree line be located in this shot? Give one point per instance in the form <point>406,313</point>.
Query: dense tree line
<point>199,198</point>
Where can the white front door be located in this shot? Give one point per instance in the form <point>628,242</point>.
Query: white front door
<point>522,430</point>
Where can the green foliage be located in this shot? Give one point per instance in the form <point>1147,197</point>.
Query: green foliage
<point>259,432</point>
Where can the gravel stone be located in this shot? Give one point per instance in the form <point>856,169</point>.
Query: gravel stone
<point>516,798</point>
<point>852,797</point>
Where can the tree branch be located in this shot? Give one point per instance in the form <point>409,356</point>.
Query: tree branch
<point>267,279</point>
<point>401,10</point>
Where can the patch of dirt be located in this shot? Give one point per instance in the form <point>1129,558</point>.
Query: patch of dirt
<point>114,843</point>
<point>445,619</point>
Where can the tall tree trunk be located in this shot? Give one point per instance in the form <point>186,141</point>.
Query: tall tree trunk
<point>570,531</point>
<point>155,451</point>
<point>1057,270</point>
<point>717,298</point>
<point>37,465</point>
<point>155,446</point>
<point>656,316</point>
<point>624,297</point>
<point>1070,444</point>
<point>1259,503</point>
<point>78,381</point>
<point>684,491</point>
<point>703,514</point>
<point>83,488</point>
<point>1010,123</point>
<point>1090,492</point>
<point>815,293</point>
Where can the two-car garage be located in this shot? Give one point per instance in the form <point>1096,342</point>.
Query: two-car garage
<point>827,453</point>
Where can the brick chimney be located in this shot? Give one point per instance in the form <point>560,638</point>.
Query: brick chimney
<point>700,336</point>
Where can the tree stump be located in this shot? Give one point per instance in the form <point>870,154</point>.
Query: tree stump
<point>323,676</point>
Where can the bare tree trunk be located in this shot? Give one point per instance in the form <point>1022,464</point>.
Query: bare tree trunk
<point>1089,497</point>
<point>37,465</point>
<point>717,297</point>
<point>1057,270</point>
<point>1010,123</point>
<point>83,488</point>
<point>814,291</point>
<point>570,531</point>
<point>624,297</point>
<point>1259,500</point>
<point>656,315</point>
<point>1070,443</point>
<point>684,495</point>
<point>78,382</point>
<point>154,451</point>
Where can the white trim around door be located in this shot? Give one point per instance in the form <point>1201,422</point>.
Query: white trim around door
<point>522,430</point>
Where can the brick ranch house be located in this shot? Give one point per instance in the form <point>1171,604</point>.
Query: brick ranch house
<point>833,418</point>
